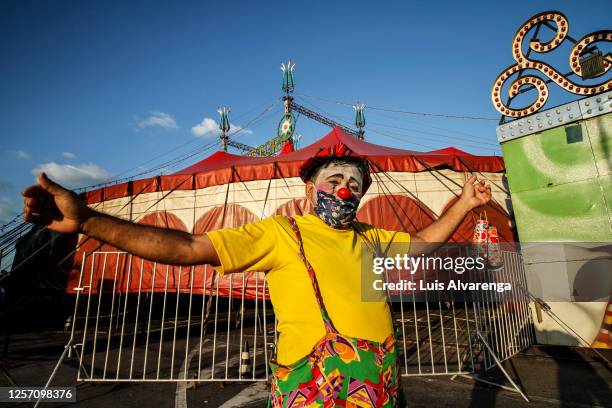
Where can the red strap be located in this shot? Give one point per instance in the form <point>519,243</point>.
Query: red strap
<point>329,325</point>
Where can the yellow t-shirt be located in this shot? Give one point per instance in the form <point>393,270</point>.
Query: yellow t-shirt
<point>270,246</point>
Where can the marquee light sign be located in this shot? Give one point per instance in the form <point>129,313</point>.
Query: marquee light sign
<point>523,62</point>
<point>269,148</point>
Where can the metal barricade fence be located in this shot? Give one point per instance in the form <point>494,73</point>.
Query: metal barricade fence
<point>122,332</point>
<point>504,318</point>
<point>153,335</point>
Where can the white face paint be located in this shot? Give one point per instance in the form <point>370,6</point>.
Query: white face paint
<point>336,176</point>
<point>341,175</point>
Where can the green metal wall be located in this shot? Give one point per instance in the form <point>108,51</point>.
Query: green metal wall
<point>561,182</point>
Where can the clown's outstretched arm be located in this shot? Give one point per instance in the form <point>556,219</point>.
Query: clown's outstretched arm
<point>475,194</point>
<point>61,210</point>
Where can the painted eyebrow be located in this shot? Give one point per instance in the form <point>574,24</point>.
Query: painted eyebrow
<point>342,176</point>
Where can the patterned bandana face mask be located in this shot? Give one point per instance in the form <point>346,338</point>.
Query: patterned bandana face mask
<point>334,211</point>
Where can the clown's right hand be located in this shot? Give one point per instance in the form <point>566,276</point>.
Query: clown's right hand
<point>61,210</point>
<point>49,204</point>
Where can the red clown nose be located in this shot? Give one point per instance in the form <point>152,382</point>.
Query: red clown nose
<point>344,193</point>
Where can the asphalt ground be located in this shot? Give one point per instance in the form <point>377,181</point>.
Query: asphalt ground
<point>550,376</point>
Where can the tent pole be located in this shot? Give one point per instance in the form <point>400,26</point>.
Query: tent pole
<point>398,184</point>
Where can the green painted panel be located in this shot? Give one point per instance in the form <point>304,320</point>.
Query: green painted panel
<point>560,182</point>
<point>567,212</point>
<point>544,159</point>
<point>599,130</point>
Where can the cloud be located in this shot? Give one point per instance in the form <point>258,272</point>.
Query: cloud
<point>210,127</point>
<point>205,127</point>
<point>69,155</point>
<point>73,176</point>
<point>20,154</point>
<point>160,119</point>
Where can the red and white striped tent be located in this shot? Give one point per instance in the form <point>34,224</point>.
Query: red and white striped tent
<point>410,189</point>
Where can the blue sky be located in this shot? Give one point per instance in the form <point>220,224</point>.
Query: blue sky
<point>91,90</point>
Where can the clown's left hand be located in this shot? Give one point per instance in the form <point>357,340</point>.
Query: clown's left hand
<point>475,193</point>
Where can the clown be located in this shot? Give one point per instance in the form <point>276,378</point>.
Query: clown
<point>333,348</point>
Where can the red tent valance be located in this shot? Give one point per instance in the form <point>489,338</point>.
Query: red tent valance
<point>221,167</point>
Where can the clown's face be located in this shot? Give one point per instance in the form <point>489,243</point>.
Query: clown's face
<point>332,178</point>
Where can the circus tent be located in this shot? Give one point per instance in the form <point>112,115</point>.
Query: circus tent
<point>410,189</point>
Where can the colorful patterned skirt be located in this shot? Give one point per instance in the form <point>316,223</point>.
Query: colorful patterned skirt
<point>339,371</point>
